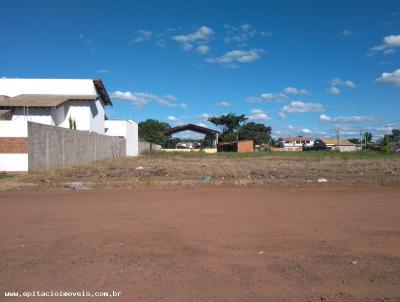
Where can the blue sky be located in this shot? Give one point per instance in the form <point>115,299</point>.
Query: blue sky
<point>302,67</point>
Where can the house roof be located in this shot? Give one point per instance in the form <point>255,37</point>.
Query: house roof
<point>332,141</point>
<point>298,138</point>
<point>73,87</point>
<point>98,83</point>
<point>5,111</point>
<point>191,127</point>
<point>41,100</point>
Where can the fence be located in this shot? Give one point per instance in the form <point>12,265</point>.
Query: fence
<point>50,146</point>
<point>146,146</point>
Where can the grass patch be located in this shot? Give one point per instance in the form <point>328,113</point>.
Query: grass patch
<point>4,175</point>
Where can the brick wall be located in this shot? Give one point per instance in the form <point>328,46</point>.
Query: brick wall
<point>245,146</point>
<point>13,145</point>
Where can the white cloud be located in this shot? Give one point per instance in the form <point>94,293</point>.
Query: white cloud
<point>306,130</point>
<point>258,115</point>
<point>175,121</point>
<point>103,70</point>
<point>142,35</point>
<point>172,118</point>
<point>333,90</point>
<point>241,34</point>
<point>390,43</point>
<point>85,38</point>
<point>295,91</point>
<point>169,102</point>
<point>88,41</point>
<point>336,83</point>
<point>301,107</point>
<point>201,124</point>
<point>223,104</point>
<point>203,49</point>
<point>267,97</point>
<point>229,59</point>
<point>290,130</point>
<point>392,78</point>
<point>140,99</point>
<point>339,82</point>
<point>203,34</point>
<point>203,117</point>
<point>281,115</point>
<point>346,32</point>
<point>346,119</point>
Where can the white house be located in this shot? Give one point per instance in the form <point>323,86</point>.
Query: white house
<point>299,141</point>
<point>341,145</point>
<point>56,102</point>
<point>127,129</point>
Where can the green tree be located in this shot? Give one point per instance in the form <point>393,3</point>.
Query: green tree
<point>259,133</point>
<point>396,135</point>
<point>354,140</point>
<point>152,131</point>
<point>228,123</point>
<point>367,137</point>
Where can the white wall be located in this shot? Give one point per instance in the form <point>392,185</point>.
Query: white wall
<point>13,129</point>
<point>14,87</point>
<point>97,114</point>
<point>127,129</point>
<point>37,115</point>
<point>78,111</point>
<point>15,162</point>
<point>89,115</point>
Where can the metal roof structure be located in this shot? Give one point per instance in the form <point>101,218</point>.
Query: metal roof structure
<point>191,127</point>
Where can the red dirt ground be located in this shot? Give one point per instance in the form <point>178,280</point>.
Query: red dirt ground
<point>207,244</point>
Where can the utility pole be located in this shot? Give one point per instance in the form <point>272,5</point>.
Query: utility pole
<point>361,139</point>
<point>337,137</point>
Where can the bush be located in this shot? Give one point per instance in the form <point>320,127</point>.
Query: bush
<point>386,150</point>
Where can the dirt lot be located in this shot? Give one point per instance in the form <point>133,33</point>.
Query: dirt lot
<point>204,244</point>
<point>164,170</point>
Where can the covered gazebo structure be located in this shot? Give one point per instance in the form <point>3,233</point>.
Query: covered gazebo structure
<point>210,133</point>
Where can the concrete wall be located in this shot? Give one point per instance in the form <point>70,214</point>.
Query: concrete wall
<point>146,146</point>
<point>59,147</point>
<point>127,129</point>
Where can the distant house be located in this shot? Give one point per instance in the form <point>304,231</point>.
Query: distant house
<point>299,141</point>
<point>340,145</point>
<point>295,143</point>
<point>57,102</point>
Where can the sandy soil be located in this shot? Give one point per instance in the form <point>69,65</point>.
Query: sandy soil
<point>207,244</point>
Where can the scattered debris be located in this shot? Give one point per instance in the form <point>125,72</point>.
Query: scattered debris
<point>76,185</point>
<point>206,178</point>
<point>261,252</point>
<point>139,168</point>
<point>354,262</point>
<point>322,180</point>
